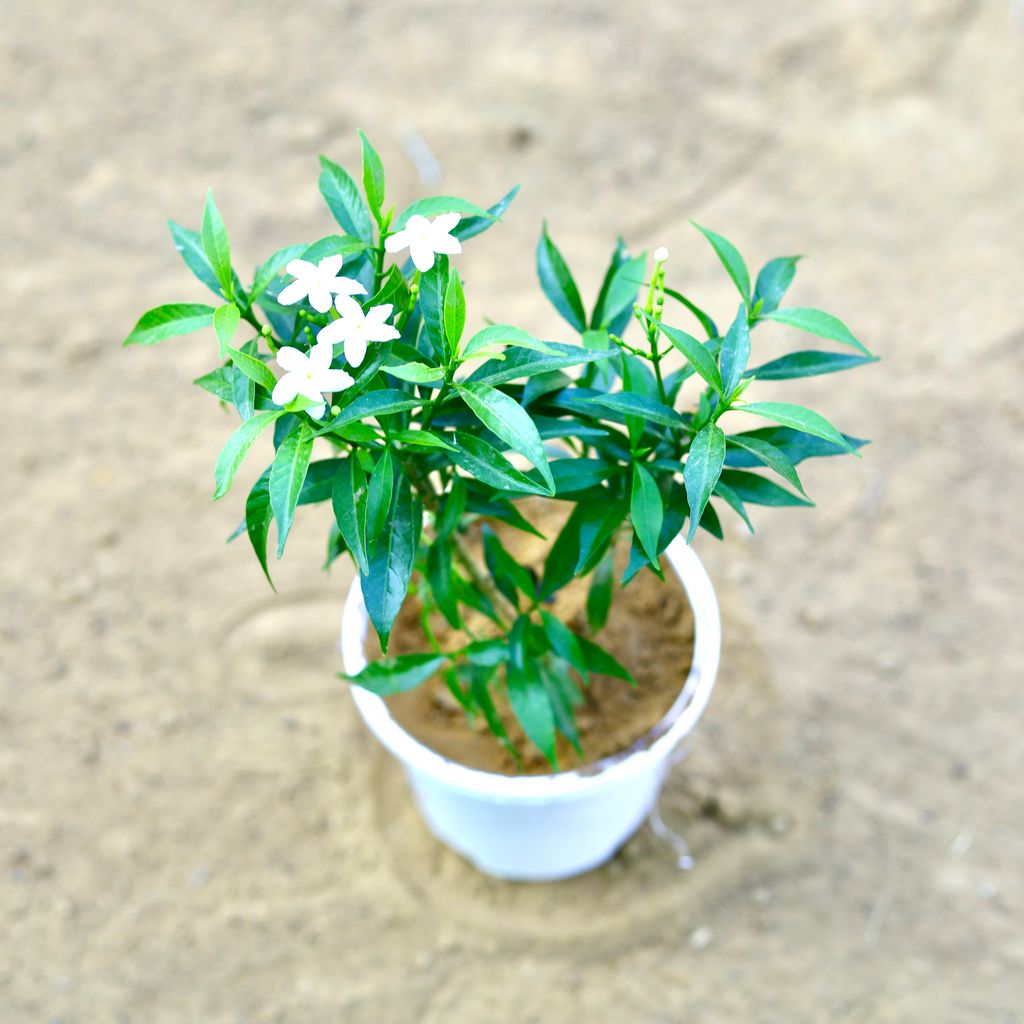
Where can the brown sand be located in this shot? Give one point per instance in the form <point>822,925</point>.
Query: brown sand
<point>649,630</point>
<point>194,825</point>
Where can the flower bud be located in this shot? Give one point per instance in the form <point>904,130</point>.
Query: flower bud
<point>661,254</point>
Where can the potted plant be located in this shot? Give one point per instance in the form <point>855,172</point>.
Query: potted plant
<point>437,445</point>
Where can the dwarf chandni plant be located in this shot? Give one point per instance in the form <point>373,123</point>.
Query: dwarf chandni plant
<point>426,434</point>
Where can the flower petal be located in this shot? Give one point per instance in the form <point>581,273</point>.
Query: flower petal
<point>285,389</point>
<point>346,286</point>
<point>330,265</point>
<point>335,380</point>
<point>308,389</point>
<point>444,222</point>
<point>396,242</point>
<point>319,298</point>
<point>320,356</point>
<point>333,334</point>
<point>300,268</point>
<point>380,313</point>
<point>317,411</point>
<point>349,308</point>
<point>355,348</point>
<point>446,244</point>
<point>422,256</point>
<point>381,332</point>
<point>417,224</point>
<point>290,359</point>
<point>294,292</point>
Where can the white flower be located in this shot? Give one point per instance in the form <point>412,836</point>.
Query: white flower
<point>423,238</point>
<point>355,328</point>
<point>661,254</point>
<point>318,282</point>
<point>308,375</point>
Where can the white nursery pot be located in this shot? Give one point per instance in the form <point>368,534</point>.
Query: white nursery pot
<point>545,827</point>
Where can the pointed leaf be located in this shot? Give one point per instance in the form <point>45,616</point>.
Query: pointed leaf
<point>286,478</point>
<point>432,206</point>
<point>169,321</point>
<point>507,419</point>
<point>734,353</point>
<point>646,511</point>
<point>702,470</point>
<point>389,676</point>
<point>731,260</point>
<point>486,464</point>
<point>695,352</point>
<point>774,458</point>
<point>343,198</point>
<point>454,311</point>
<point>469,227</point>
<point>214,237</point>
<point>373,178</point>
<point>808,364</point>
<point>772,283</point>
<point>799,418</point>
<point>348,499</point>
<point>497,335</point>
<point>558,283</point>
<point>257,519</point>
<point>814,321</point>
<point>237,447</point>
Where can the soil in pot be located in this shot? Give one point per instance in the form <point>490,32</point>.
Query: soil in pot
<point>650,631</point>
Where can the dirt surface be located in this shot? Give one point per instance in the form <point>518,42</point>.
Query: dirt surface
<point>649,631</point>
<point>194,826</point>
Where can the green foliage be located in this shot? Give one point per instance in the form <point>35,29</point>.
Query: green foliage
<point>426,455</point>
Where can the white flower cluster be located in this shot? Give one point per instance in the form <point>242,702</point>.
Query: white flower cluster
<point>310,374</point>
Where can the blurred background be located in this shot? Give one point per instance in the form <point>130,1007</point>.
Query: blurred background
<point>194,825</point>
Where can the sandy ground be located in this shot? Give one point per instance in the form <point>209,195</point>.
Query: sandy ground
<point>194,826</point>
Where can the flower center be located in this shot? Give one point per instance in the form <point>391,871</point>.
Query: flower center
<point>309,376</point>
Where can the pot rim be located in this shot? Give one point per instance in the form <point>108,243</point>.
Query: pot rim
<point>652,747</point>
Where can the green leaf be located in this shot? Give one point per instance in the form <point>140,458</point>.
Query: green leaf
<point>816,322</point>
<point>808,364</point>
<point>734,353</point>
<point>415,373</point>
<point>190,245</point>
<point>486,464</point>
<point>759,490</point>
<point>373,178</point>
<point>434,205</point>
<point>600,662</point>
<point>454,311</point>
<point>799,418</point>
<point>509,576</point>
<point>389,676</point>
<point>348,499</point>
<point>773,281</point>
<point>521,364</point>
<point>646,511</point>
<point>507,419</point>
<point>168,321</point>
<point>502,334</point>
<point>702,470</point>
<point>243,395</point>
<point>577,474</point>
<point>705,321</point>
<point>433,291</point>
<point>695,352</point>
<point>528,697</point>
<point>619,291</point>
<point>253,368</point>
<point>599,596</point>
<point>732,499</point>
<point>334,245</point>
<point>453,504</point>
<point>234,452</point>
<point>774,458</point>
<point>272,267</point>
<point>214,237</point>
<point>596,528</point>
<point>481,694</point>
<point>564,643</point>
<point>421,439</point>
<point>218,382</point>
<point>319,482</point>
<point>344,201</point>
<point>286,478</point>
<point>257,520</point>
<point>378,497</point>
<point>225,323</point>
<point>630,404</point>
<point>439,576</point>
<point>558,283</point>
<point>374,403</point>
<point>391,561</point>
<point>469,227</point>
<point>731,260</point>
<point>796,445</point>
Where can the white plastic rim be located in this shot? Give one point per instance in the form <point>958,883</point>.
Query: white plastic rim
<point>650,752</point>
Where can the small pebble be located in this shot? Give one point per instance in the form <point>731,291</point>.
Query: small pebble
<point>701,937</point>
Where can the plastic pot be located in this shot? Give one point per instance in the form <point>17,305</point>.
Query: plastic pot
<point>545,827</point>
